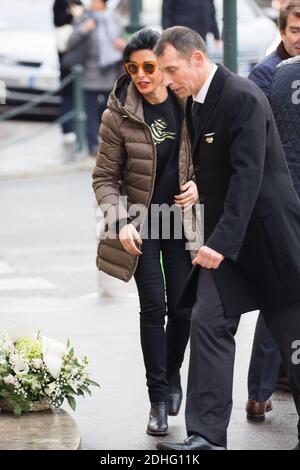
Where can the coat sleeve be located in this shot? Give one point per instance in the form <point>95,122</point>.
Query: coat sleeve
<point>167,14</point>
<point>262,77</point>
<point>108,172</point>
<point>247,139</point>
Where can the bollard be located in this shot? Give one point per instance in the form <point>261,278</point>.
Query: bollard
<point>135,10</point>
<point>79,111</point>
<point>230,34</point>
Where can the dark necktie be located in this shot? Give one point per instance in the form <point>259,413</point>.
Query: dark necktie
<point>196,111</point>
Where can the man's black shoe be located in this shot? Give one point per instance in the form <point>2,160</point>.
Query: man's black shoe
<point>175,393</point>
<point>193,442</point>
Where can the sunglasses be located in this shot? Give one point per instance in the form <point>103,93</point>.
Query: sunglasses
<point>148,67</point>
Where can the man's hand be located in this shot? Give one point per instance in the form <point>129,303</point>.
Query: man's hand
<point>208,258</point>
<point>189,195</point>
<point>130,238</point>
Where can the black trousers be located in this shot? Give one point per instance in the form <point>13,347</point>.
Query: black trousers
<point>95,105</point>
<point>264,363</point>
<point>209,393</point>
<point>163,349</point>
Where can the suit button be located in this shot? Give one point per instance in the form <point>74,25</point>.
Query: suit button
<point>201,199</point>
<point>196,168</point>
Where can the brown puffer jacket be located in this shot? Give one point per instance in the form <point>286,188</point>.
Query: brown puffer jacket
<point>126,166</point>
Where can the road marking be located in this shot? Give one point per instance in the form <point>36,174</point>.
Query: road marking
<point>24,283</point>
<point>5,268</point>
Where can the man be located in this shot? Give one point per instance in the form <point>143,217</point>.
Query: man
<point>251,255</point>
<point>265,358</point>
<point>199,15</point>
<point>289,24</point>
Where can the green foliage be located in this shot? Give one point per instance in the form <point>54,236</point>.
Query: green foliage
<point>25,377</point>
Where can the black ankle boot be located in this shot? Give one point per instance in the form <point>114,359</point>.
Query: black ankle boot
<point>158,419</point>
<point>175,393</point>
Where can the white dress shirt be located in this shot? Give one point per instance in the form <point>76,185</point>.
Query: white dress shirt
<point>200,98</point>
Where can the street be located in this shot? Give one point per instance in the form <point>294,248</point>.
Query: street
<point>48,279</point>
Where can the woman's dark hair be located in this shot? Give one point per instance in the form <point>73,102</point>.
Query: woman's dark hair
<point>145,38</point>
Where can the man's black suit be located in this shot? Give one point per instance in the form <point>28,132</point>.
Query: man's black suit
<point>251,217</point>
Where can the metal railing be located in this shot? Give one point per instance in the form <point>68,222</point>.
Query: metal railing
<point>77,114</point>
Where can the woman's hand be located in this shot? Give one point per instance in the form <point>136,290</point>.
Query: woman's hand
<point>189,195</point>
<point>130,239</point>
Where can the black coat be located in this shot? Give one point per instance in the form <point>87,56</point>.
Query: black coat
<point>251,209</point>
<point>284,99</point>
<point>199,15</point>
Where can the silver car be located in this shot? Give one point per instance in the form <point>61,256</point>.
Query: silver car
<point>28,58</point>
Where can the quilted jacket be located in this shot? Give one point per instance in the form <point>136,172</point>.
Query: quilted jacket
<point>285,102</point>
<point>126,167</point>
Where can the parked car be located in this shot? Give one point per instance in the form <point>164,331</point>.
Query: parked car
<point>257,34</point>
<point>28,58</point>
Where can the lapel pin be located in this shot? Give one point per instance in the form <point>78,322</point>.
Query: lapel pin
<point>209,140</point>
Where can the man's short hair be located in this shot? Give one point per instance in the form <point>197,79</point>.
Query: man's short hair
<point>291,7</point>
<point>185,40</point>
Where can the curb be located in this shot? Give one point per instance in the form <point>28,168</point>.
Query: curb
<point>87,164</point>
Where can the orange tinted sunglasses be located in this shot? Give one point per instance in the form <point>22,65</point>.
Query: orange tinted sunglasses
<point>148,67</point>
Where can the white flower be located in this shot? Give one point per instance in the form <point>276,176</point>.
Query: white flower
<point>50,389</point>
<point>10,379</point>
<point>53,353</point>
<point>37,363</point>
<point>18,332</point>
<point>19,365</point>
<point>6,345</point>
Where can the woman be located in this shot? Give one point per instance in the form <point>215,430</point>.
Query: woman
<point>145,156</point>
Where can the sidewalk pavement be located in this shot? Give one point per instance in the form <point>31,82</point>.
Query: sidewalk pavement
<point>106,328</point>
<point>46,153</point>
<point>115,417</point>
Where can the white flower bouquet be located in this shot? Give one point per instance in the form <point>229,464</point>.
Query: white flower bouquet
<point>35,370</point>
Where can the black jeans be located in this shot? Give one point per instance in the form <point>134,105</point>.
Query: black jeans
<point>163,350</point>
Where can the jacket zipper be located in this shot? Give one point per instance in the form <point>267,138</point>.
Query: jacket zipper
<point>155,166</point>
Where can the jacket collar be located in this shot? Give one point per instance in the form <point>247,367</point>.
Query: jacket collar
<point>126,98</point>
<point>282,52</point>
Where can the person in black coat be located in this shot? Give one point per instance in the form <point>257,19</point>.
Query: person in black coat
<point>265,371</point>
<point>199,15</point>
<point>251,254</point>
